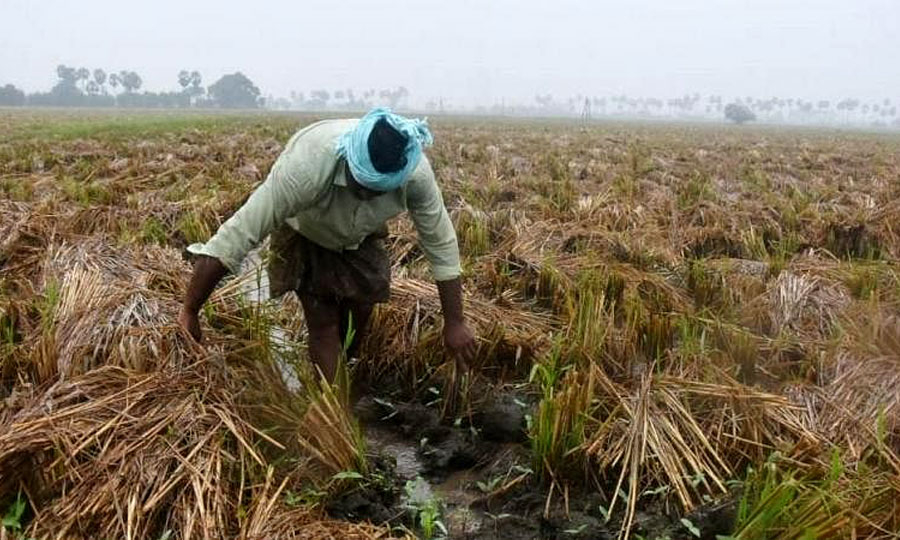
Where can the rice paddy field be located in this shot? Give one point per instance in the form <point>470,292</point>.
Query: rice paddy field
<point>685,331</point>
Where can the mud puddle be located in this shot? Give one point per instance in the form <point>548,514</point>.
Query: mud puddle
<point>451,468</point>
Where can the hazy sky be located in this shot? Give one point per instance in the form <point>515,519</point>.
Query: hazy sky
<point>468,51</point>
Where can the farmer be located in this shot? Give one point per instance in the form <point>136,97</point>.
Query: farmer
<point>325,204</point>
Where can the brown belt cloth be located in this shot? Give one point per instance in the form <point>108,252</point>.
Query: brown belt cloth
<point>359,275</point>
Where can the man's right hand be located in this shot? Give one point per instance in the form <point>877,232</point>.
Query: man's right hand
<point>207,272</point>
<point>190,322</point>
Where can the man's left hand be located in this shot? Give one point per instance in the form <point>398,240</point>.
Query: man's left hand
<point>460,342</point>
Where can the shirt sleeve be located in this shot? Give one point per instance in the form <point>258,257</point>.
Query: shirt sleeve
<point>292,184</point>
<point>436,234</point>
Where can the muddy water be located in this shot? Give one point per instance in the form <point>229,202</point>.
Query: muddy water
<point>453,490</point>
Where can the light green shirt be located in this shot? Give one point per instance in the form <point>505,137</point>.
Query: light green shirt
<point>307,189</point>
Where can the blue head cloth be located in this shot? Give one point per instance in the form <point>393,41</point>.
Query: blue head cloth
<point>353,146</point>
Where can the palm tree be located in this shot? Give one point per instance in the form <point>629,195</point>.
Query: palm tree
<point>100,79</point>
<point>83,74</point>
<point>114,80</point>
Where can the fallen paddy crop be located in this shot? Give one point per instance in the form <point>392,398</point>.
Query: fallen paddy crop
<point>680,319</point>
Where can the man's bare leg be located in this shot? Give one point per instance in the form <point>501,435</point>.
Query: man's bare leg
<point>323,324</point>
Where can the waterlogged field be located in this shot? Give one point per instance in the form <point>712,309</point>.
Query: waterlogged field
<point>685,331</point>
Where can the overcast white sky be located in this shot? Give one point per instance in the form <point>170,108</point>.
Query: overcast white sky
<point>471,51</point>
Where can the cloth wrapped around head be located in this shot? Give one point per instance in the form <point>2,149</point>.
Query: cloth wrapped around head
<point>384,148</point>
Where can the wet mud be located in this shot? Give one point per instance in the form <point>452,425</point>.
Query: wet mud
<point>480,477</point>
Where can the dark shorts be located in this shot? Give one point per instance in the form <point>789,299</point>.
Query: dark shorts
<point>359,275</point>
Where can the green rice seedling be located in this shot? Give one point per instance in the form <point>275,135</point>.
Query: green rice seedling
<point>153,231</point>
<point>83,169</point>
<point>559,191</point>
<point>474,234</point>
<point>553,290</point>
<point>691,337</point>
<point>236,308</point>
<point>707,286</point>
<point>193,227</point>
<point>555,167</point>
<point>614,290</point>
<point>13,519</point>
<point>8,335</point>
<point>658,297</point>
<point>86,193</point>
<point>46,306</point>
<point>562,195</point>
<point>742,349</point>
<point>648,327</point>
<point>754,244</point>
<point>640,161</point>
<point>16,189</point>
<point>894,286</point>
<point>426,508</point>
<point>785,504</point>
<point>782,250</point>
<point>698,188</point>
<point>501,276</point>
<point>864,280</point>
<point>590,322</point>
<point>330,435</point>
<point>177,192</point>
<point>625,187</point>
<point>634,318</point>
<point>754,178</point>
<point>549,371</point>
<point>647,335</point>
<point>557,430</point>
<point>656,336</point>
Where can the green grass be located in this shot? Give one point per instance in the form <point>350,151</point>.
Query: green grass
<point>54,125</point>
<point>780,503</point>
<point>153,231</point>
<point>193,228</point>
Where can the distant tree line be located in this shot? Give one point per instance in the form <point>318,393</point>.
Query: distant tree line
<point>342,100</point>
<point>739,110</point>
<point>81,87</point>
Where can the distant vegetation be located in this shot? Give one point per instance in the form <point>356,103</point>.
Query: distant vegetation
<point>739,113</point>
<point>82,87</point>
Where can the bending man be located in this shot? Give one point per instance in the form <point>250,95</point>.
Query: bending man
<point>325,204</point>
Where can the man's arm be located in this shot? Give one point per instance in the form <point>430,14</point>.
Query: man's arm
<point>293,183</point>
<point>208,271</point>
<point>438,241</point>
